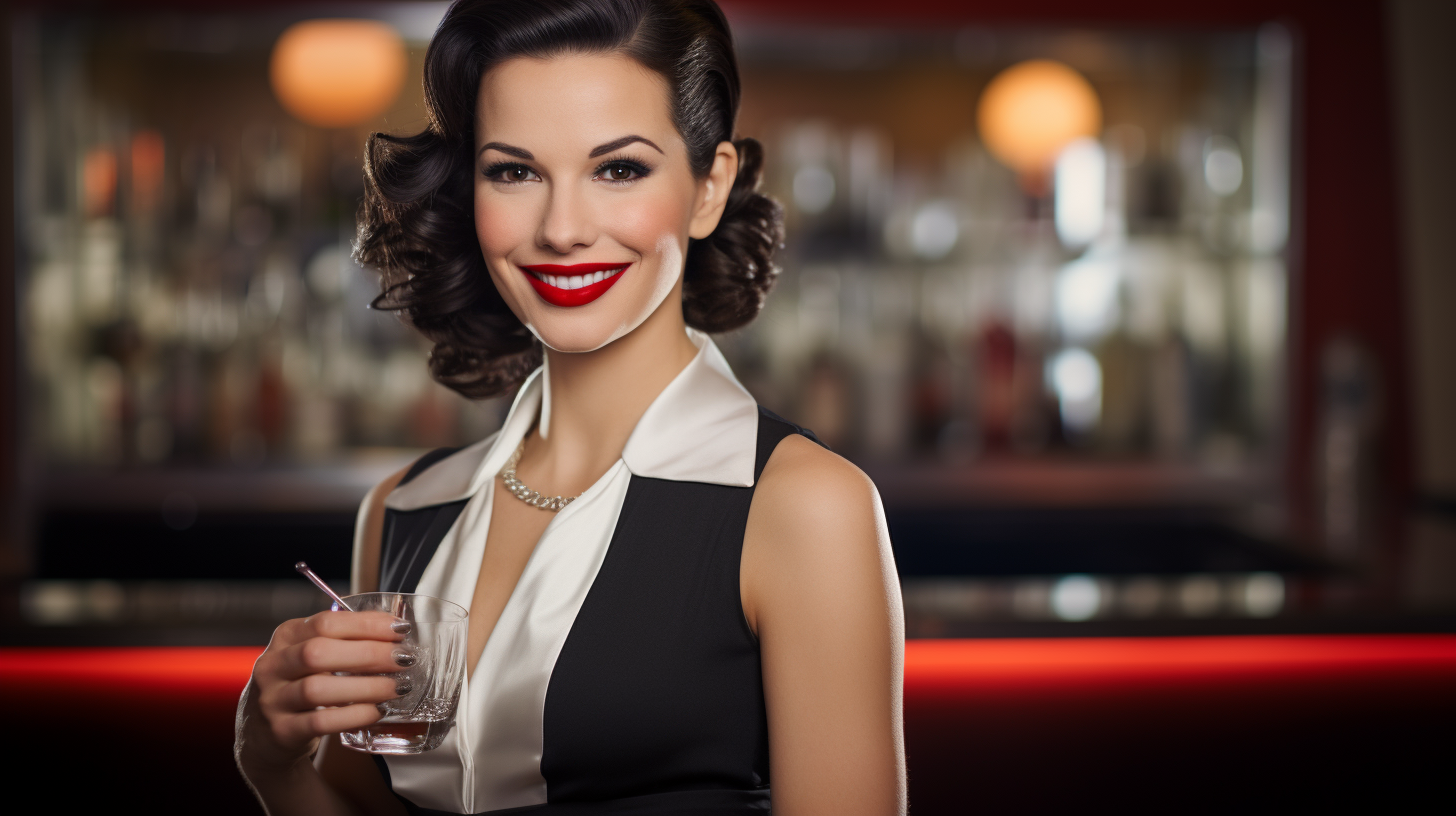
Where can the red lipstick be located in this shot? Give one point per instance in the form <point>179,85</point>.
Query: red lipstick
<point>580,296</point>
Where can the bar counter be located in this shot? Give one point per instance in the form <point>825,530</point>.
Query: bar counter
<point>1131,725</point>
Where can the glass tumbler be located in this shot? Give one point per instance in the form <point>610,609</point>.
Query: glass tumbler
<point>419,720</point>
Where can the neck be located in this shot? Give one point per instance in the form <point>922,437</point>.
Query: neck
<point>597,397</point>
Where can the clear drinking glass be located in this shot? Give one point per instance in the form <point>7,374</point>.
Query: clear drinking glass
<point>419,720</point>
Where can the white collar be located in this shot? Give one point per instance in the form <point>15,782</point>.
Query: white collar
<point>703,427</point>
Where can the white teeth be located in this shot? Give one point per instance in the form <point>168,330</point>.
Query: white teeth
<point>576,281</point>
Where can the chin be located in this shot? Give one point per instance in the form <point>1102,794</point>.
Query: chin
<point>576,335</point>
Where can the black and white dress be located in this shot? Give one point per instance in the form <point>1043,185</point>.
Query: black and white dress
<point>622,676</point>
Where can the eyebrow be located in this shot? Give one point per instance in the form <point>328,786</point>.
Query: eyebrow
<point>618,144</point>
<point>518,152</point>
<point>599,150</point>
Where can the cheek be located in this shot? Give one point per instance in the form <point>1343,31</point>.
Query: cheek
<point>651,224</point>
<point>500,225</point>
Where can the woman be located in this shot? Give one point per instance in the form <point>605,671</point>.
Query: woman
<point>674,597</point>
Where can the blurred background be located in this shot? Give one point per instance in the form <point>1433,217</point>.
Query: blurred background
<point>1136,313</point>
<point>1124,319</point>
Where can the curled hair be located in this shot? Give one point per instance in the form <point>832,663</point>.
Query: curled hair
<point>417,226</point>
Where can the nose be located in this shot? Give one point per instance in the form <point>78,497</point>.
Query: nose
<point>567,222</point>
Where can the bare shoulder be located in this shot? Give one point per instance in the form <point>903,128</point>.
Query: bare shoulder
<point>815,519</point>
<point>368,532</point>
<point>797,455</point>
<point>804,483</point>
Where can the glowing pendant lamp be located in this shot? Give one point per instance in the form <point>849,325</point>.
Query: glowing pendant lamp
<point>337,73</point>
<point>1032,110</point>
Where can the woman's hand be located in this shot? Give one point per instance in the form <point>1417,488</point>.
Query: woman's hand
<point>294,697</point>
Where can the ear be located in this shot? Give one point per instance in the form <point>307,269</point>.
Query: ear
<point>713,191</point>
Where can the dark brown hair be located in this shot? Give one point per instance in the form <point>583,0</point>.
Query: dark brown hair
<point>417,222</point>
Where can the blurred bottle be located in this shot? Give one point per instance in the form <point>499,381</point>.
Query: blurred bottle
<point>1347,446</point>
<point>931,391</point>
<point>1171,383</point>
<point>1124,365</point>
<point>824,402</point>
<point>997,386</point>
<point>1035,422</point>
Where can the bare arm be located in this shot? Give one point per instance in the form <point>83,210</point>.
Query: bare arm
<point>279,726</point>
<point>820,589</point>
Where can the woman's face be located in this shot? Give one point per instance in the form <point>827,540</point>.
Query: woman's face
<point>584,199</point>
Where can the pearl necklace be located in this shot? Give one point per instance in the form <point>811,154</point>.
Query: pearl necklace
<point>526,494</point>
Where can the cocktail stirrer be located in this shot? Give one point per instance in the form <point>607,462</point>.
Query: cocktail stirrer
<point>319,582</point>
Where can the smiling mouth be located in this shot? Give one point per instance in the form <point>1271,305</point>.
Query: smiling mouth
<point>575,284</point>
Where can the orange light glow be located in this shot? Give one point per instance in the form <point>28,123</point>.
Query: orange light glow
<point>337,73</point>
<point>933,668</point>
<point>1032,110</point>
<point>939,669</point>
<point>148,157</point>
<point>98,182</point>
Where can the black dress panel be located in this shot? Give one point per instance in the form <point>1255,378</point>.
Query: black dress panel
<point>655,704</point>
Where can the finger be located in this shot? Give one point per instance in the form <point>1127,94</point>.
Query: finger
<point>357,626</point>
<point>308,693</point>
<point>339,625</point>
<point>300,729</point>
<point>290,632</point>
<point>321,654</point>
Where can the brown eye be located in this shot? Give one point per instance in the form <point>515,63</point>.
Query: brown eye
<point>509,173</point>
<point>621,171</point>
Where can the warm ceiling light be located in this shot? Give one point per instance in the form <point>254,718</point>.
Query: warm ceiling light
<point>337,73</point>
<point>1032,110</point>
<point>98,181</point>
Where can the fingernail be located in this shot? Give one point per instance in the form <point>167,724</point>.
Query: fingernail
<point>404,658</point>
<point>404,688</point>
<point>401,627</point>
